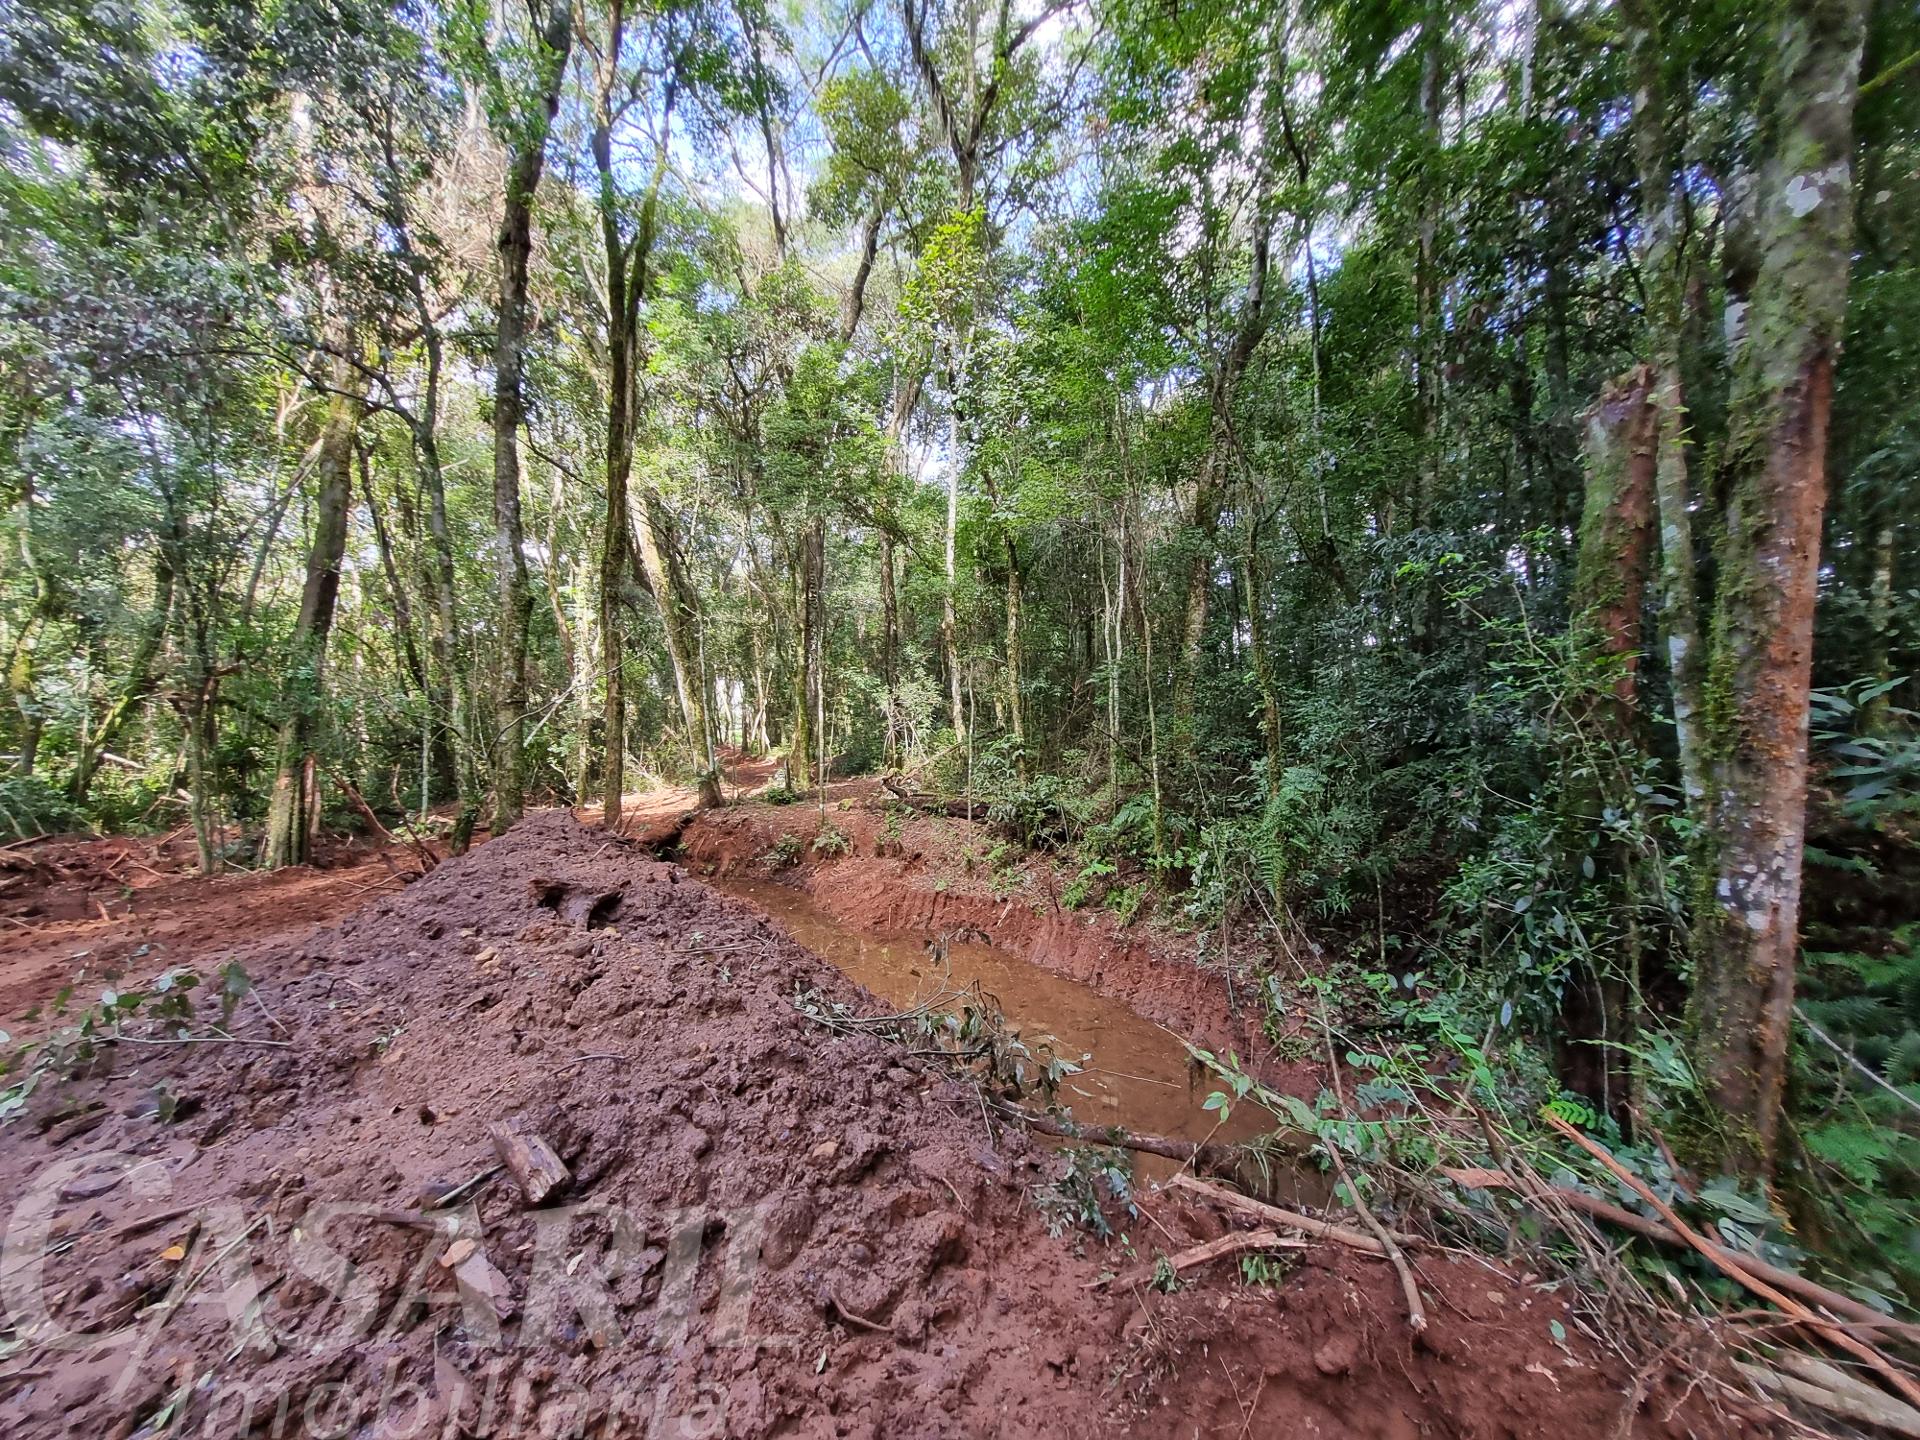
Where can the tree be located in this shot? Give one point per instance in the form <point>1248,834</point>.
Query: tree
<point>521,108</point>
<point>1746,923</point>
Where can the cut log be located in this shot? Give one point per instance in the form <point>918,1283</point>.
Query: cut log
<point>531,1162</point>
<point>934,804</point>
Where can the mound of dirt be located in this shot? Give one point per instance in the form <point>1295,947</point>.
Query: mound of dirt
<point>759,1227</point>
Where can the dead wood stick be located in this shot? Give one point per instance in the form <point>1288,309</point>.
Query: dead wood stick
<point>455,1194</point>
<point>1882,1408</point>
<point>421,853</point>
<point>1416,1311</point>
<point>151,1222</point>
<point>1233,1243</point>
<point>194,1040</point>
<point>859,1322</point>
<point>1861,1404</point>
<point>530,1160</point>
<point>1288,1219</point>
<point>1211,1157</point>
<point>1811,1291</point>
<point>1734,1270</point>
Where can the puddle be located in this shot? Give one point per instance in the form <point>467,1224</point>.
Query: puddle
<point>1139,1077</point>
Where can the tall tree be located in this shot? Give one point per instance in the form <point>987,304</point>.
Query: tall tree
<point>523,124</point>
<point>292,812</point>
<point>1746,925</point>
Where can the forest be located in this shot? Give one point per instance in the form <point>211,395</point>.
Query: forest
<point>1425,487</point>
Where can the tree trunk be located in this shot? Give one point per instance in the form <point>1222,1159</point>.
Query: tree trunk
<point>1016,666</point>
<point>1210,489</point>
<point>949,617</point>
<point>1426,283</point>
<point>1663,266</point>
<point>1611,572</point>
<point>1879,710</point>
<point>1253,576</point>
<point>890,651</point>
<point>288,827</point>
<point>680,616</point>
<point>807,662</point>
<point>526,159</point>
<point>453,690</point>
<point>1747,913</point>
<point>21,682</point>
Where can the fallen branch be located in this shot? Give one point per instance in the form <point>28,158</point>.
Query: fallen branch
<point>1237,1242</point>
<point>1811,1291</point>
<point>1290,1219</point>
<point>195,1040</point>
<point>1849,1401</point>
<point>1855,1062</point>
<point>931,804</point>
<point>457,1193</point>
<point>421,850</point>
<point>1416,1311</point>
<point>1734,1269</point>
<point>1219,1159</point>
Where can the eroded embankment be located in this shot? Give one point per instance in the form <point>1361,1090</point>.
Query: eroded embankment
<point>767,1229</point>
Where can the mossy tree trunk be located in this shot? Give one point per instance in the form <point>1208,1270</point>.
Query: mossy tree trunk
<point>1611,574</point>
<point>1747,911</point>
<point>629,269</point>
<point>808,654</point>
<point>1663,266</point>
<point>665,575</point>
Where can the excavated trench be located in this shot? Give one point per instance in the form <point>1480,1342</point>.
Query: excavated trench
<point>1132,1072</point>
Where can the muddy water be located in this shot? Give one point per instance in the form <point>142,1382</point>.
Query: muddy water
<point>1138,1076</point>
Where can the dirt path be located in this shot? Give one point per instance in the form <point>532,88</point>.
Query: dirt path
<point>81,911</point>
<point>768,1228</point>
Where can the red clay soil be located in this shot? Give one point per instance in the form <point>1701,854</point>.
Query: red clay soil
<point>82,910</point>
<point>927,875</point>
<point>766,1228</point>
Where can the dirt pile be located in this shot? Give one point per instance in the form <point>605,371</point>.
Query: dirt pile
<point>764,1228</point>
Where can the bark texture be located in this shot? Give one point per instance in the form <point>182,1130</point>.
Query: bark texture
<point>1663,266</point>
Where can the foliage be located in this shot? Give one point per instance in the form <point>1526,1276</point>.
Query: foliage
<point>1179,454</point>
<point>785,852</point>
<point>29,806</point>
<point>73,1048</point>
<point>1093,1180</point>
